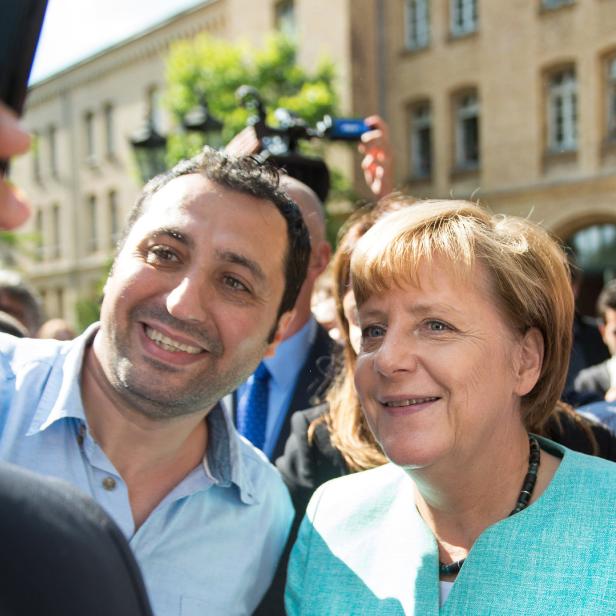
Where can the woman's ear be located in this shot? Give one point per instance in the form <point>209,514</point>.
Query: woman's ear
<point>530,361</point>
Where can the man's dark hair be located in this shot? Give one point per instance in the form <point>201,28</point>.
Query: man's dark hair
<point>248,176</point>
<point>14,287</point>
<point>607,299</point>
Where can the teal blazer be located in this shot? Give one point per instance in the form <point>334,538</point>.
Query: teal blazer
<point>364,549</point>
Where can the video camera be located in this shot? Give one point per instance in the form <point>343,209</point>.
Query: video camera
<point>280,143</point>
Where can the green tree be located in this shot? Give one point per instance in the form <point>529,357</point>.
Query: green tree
<point>213,68</point>
<point>209,67</point>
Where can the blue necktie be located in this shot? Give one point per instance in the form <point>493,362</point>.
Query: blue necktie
<point>252,408</point>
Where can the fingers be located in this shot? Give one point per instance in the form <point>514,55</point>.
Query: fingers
<point>377,157</point>
<point>14,209</point>
<point>244,143</point>
<point>376,122</point>
<point>13,138</point>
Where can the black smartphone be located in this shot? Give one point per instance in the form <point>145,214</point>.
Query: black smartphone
<point>20,26</point>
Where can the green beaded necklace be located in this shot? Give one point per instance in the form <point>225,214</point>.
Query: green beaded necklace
<point>523,499</point>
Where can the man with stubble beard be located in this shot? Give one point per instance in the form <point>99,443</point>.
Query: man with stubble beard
<point>201,289</point>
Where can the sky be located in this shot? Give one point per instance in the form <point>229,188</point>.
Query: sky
<point>76,29</point>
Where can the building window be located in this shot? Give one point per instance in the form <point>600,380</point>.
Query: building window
<point>36,156</point>
<point>417,22</point>
<point>463,16</point>
<point>53,153</point>
<point>421,141</point>
<point>154,105</point>
<point>55,248</point>
<point>89,137</point>
<point>611,99</point>
<point>467,131</point>
<point>284,18</point>
<point>555,4</point>
<point>38,235</point>
<point>60,301</point>
<point>562,111</point>
<point>109,127</point>
<point>92,224</point>
<point>114,218</point>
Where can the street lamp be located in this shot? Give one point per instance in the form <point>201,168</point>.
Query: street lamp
<point>150,148</point>
<point>199,119</point>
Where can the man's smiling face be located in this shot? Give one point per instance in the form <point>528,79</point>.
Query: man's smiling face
<point>192,299</point>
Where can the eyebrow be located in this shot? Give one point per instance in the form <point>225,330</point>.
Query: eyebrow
<point>174,234</point>
<point>238,259</point>
<point>419,310</point>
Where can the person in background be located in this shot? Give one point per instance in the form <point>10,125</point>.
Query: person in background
<point>602,411</point>
<point>323,305</point>
<point>10,325</point>
<point>600,379</point>
<point>474,513</point>
<point>298,372</point>
<point>57,329</point>
<point>19,299</point>
<point>588,347</point>
<point>376,164</point>
<point>129,412</point>
<point>297,376</point>
<point>62,555</point>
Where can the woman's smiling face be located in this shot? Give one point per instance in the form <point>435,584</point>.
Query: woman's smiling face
<point>439,370</point>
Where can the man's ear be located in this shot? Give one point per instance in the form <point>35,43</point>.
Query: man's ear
<point>324,254</point>
<point>530,361</point>
<point>283,323</point>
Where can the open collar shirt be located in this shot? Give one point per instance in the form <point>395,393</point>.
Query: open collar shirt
<point>210,546</point>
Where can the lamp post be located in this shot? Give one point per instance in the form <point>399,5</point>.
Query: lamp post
<point>199,119</point>
<point>149,147</point>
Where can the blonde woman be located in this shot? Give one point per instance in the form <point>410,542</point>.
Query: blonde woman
<point>466,328</point>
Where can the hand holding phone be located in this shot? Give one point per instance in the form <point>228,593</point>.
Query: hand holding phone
<point>14,140</point>
<point>20,27</point>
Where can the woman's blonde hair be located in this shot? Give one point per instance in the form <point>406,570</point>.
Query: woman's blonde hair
<point>527,269</point>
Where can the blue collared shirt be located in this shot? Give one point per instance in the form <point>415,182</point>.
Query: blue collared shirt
<point>284,367</point>
<point>601,411</point>
<point>211,546</point>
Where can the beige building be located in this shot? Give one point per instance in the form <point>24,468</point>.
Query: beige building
<point>513,101</point>
<point>82,177</point>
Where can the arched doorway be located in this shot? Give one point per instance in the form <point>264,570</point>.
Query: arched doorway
<point>594,248</point>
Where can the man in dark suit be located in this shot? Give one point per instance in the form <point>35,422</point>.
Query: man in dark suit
<point>298,373</point>
<point>600,379</point>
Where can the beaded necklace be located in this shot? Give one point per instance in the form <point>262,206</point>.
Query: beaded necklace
<point>523,499</point>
